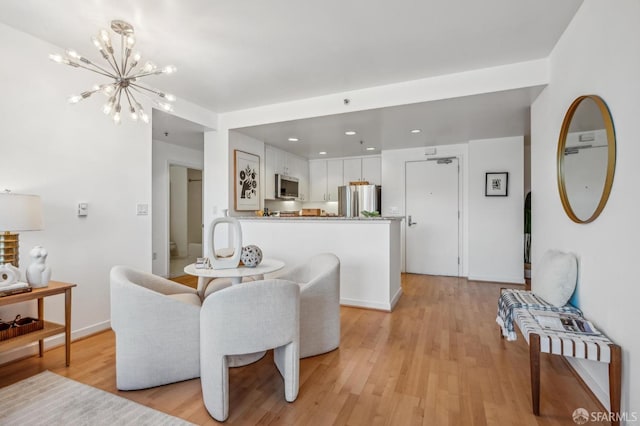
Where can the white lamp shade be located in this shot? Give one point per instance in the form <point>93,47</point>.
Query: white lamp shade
<point>20,212</point>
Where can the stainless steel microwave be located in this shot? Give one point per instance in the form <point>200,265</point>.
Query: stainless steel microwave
<point>286,187</point>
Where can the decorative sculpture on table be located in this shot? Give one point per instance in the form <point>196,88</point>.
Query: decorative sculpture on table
<point>38,273</point>
<point>251,256</point>
<point>226,258</point>
<point>9,274</point>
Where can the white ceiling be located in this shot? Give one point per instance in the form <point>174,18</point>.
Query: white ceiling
<point>458,120</point>
<point>177,131</point>
<point>239,54</point>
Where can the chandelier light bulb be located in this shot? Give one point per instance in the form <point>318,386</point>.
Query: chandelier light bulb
<point>123,70</point>
<point>165,106</point>
<point>72,54</point>
<point>104,36</point>
<point>116,115</point>
<point>148,66</point>
<point>56,58</point>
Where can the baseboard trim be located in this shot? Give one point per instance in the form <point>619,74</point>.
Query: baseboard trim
<point>599,395</point>
<point>52,342</point>
<point>395,298</point>
<point>508,280</point>
<point>354,303</point>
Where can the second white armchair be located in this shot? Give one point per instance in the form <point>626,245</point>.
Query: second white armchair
<point>319,280</point>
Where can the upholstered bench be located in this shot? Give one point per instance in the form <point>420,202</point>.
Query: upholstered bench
<point>595,347</point>
<point>554,281</point>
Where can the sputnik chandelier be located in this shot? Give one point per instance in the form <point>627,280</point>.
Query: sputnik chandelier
<point>125,72</point>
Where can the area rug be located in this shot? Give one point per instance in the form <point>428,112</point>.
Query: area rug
<point>50,399</point>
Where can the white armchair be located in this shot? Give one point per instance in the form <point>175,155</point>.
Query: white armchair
<point>319,280</point>
<point>245,319</point>
<point>157,326</point>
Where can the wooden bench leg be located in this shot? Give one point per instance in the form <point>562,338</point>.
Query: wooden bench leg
<point>534,360</point>
<point>615,383</point>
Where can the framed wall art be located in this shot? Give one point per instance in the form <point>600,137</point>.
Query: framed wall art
<point>496,184</point>
<point>246,181</point>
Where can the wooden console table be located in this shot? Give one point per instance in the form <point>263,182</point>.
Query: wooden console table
<point>50,328</point>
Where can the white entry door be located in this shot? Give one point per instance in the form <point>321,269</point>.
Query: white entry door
<point>432,217</point>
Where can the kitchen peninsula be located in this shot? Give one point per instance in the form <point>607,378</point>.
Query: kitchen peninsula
<point>368,248</point>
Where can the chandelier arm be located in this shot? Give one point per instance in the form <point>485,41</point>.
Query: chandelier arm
<point>135,101</point>
<point>126,92</point>
<point>88,62</point>
<point>115,62</point>
<point>144,74</point>
<point>135,87</point>
<point>122,61</point>
<point>147,89</point>
<point>124,67</point>
<point>105,73</point>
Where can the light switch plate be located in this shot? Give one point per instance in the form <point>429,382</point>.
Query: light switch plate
<point>142,209</point>
<point>83,209</point>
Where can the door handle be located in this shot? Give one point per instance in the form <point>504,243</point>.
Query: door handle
<point>411,223</point>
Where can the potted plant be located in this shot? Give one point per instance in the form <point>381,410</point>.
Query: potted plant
<point>527,236</point>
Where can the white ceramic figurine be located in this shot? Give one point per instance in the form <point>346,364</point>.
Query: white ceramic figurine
<point>9,274</point>
<point>38,274</point>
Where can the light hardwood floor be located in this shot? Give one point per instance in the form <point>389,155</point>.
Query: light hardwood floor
<point>436,360</point>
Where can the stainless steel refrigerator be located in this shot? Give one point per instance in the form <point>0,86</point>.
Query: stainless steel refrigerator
<point>353,199</point>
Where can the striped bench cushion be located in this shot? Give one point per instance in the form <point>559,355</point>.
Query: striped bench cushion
<point>577,345</point>
<point>511,299</point>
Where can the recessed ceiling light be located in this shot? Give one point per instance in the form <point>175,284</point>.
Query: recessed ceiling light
<point>293,139</point>
<point>323,153</point>
<point>370,148</point>
<point>350,132</point>
<point>416,131</point>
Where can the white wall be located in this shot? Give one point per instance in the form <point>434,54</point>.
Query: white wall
<point>165,154</point>
<point>597,54</point>
<point>496,224</point>
<point>69,154</point>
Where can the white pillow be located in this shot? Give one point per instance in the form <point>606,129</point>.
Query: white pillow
<point>554,277</point>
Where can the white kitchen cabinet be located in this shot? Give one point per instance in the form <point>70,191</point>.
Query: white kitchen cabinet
<point>352,170</point>
<point>362,169</point>
<point>325,176</point>
<point>270,172</point>
<point>334,178</point>
<point>372,170</point>
<point>281,162</point>
<point>317,180</point>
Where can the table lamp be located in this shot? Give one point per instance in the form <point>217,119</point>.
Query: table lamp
<point>18,212</point>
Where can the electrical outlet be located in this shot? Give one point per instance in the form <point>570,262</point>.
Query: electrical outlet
<point>142,209</point>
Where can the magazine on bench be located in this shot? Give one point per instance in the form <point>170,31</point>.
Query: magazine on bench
<point>564,322</point>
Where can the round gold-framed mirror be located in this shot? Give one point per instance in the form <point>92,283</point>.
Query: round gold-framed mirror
<point>586,158</point>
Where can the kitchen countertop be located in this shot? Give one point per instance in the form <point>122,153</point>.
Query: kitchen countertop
<point>322,218</point>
